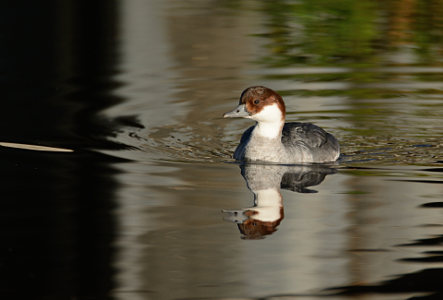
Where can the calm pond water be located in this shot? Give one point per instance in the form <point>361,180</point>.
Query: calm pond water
<point>150,205</point>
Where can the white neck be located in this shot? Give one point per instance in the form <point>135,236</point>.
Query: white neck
<point>268,205</point>
<point>269,122</point>
<point>268,130</point>
<point>268,197</point>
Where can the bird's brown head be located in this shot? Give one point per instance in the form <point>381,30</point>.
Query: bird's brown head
<point>254,100</point>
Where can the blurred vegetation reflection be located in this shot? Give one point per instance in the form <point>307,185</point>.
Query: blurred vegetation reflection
<point>319,32</point>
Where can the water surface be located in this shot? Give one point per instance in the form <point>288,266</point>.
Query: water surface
<point>150,204</point>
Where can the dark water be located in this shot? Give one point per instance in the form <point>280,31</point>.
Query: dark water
<point>149,205</point>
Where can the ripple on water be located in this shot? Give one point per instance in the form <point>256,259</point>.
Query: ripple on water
<point>386,115</point>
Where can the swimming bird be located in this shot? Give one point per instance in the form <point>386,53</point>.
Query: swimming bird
<point>273,140</point>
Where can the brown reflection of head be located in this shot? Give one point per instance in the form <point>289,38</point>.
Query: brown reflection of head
<point>254,229</point>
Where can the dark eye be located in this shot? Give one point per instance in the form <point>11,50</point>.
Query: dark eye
<point>256,101</point>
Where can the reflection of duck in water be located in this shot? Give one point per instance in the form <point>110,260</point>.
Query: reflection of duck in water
<point>265,182</point>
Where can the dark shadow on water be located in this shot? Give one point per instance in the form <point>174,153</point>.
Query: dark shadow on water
<point>426,281</point>
<point>57,65</point>
<point>265,182</point>
<point>56,225</point>
<point>57,74</point>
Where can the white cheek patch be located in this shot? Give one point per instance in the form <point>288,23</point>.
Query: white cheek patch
<point>270,122</point>
<point>269,113</point>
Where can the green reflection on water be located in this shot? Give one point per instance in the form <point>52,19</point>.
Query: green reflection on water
<point>348,32</point>
<point>381,58</point>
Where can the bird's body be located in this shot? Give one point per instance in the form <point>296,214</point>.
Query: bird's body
<point>273,140</point>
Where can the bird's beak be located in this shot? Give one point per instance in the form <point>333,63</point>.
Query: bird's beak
<point>239,112</point>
